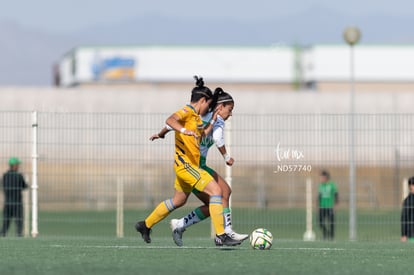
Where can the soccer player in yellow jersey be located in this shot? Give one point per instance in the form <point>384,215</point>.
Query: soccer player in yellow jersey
<point>222,105</point>
<point>189,130</point>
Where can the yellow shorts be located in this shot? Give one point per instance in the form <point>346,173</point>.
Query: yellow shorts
<point>189,177</point>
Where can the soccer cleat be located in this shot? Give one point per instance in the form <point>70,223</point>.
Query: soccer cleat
<point>177,232</point>
<point>218,241</point>
<point>237,236</point>
<point>225,239</point>
<point>144,230</point>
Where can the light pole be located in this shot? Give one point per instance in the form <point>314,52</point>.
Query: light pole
<point>352,36</point>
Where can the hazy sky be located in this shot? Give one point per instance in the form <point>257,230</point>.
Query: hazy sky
<point>37,33</point>
<point>65,16</point>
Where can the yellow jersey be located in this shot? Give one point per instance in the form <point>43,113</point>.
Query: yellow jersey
<point>187,148</point>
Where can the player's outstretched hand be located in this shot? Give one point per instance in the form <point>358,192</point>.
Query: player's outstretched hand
<point>154,137</point>
<point>230,162</point>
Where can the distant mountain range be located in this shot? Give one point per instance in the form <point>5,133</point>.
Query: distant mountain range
<point>27,55</point>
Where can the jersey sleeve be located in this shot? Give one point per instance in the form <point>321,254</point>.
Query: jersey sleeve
<point>218,132</point>
<point>183,114</point>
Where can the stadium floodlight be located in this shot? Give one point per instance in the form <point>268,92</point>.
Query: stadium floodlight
<point>352,36</point>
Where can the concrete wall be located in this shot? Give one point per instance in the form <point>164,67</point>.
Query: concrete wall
<point>144,99</point>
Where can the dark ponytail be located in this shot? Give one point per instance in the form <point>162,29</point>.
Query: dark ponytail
<point>220,96</point>
<point>200,91</point>
<point>217,92</point>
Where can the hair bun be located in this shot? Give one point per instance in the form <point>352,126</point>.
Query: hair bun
<point>199,81</point>
<point>218,91</point>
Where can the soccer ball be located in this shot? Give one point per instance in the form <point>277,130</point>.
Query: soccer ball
<point>261,239</point>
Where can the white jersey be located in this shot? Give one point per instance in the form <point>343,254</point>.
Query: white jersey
<point>215,136</point>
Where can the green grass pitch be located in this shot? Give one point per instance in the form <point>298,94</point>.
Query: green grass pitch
<point>131,256</point>
<point>85,243</point>
<point>283,223</point>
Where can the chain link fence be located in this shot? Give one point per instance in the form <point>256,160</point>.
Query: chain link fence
<point>84,158</point>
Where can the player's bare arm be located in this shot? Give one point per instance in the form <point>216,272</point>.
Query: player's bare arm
<point>173,122</point>
<point>209,127</point>
<point>229,160</point>
<point>160,134</point>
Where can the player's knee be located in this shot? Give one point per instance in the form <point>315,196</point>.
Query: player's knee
<point>216,190</point>
<point>178,202</point>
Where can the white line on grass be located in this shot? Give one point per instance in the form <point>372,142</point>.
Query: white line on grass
<point>191,247</point>
<point>312,248</point>
<point>142,247</point>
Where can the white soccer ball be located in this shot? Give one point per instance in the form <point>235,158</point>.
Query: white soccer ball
<point>261,239</point>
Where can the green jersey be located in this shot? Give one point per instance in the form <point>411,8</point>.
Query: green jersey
<point>327,194</point>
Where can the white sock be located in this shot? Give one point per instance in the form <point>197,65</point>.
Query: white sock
<point>188,220</point>
<point>227,223</point>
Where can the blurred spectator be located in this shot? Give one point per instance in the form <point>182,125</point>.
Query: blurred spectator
<point>407,214</point>
<point>13,184</point>
<point>327,198</point>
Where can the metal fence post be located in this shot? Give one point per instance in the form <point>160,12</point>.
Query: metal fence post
<point>34,186</point>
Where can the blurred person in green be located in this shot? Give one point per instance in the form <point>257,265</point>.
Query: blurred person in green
<point>407,214</point>
<point>13,184</point>
<point>327,199</point>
